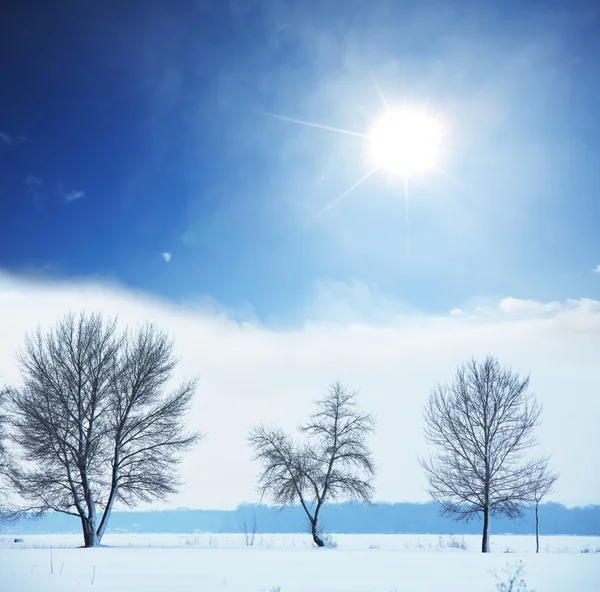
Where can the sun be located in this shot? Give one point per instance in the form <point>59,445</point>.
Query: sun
<point>405,142</point>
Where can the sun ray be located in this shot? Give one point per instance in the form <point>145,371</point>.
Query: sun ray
<point>448,176</point>
<point>312,124</point>
<point>345,193</point>
<point>406,219</point>
<point>380,93</point>
<point>405,141</point>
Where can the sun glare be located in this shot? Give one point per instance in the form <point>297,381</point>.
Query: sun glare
<point>405,142</point>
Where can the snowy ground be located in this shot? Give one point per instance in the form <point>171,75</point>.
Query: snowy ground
<point>207,562</point>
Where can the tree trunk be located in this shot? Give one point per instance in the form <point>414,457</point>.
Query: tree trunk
<point>104,522</point>
<point>90,533</point>
<point>537,529</point>
<point>90,537</point>
<point>315,534</point>
<point>111,499</point>
<point>485,540</point>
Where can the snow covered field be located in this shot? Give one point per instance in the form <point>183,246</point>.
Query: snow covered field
<point>207,562</point>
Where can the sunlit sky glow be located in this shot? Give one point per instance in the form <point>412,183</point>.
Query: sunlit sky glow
<point>404,142</point>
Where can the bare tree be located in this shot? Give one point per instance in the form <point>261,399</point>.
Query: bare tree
<point>333,463</point>
<point>93,422</point>
<point>3,453</point>
<point>543,485</point>
<point>482,424</point>
<point>3,435</point>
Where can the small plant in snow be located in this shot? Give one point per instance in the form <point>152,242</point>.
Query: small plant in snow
<point>512,581</point>
<point>329,541</point>
<point>562,550</point>
<point>590,549</point>
<point>190,540</point>
<point>452,542</point>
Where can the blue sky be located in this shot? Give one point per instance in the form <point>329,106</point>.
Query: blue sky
<point>132,130</point>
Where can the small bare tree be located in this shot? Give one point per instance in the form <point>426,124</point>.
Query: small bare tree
<point>543,485</point>
<point>93,423</point>
<point>249,530</point>
<point>334,462</point>
<point>482,424</point>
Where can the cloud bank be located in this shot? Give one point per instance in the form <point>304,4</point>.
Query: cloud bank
<point>250,372</point>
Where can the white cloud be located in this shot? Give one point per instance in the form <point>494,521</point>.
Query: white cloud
<point>32,182</point>
<point>5,139</point>
<point>342,302</point>
<point>74,195</point>
<point>455,312</point>
<point>250,373</point>
<point>597,270</point>
<point>167,256</point>
<point>530,307</point>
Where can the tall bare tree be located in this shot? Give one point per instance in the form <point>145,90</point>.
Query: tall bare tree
<point>3,451</point>
<point>482,425</point>
<point>93,422</point>
<point>543,485</point>
<point>3,435</point>
<point>333,463</point>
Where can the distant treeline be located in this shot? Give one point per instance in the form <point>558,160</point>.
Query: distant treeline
<point>351,518</point>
